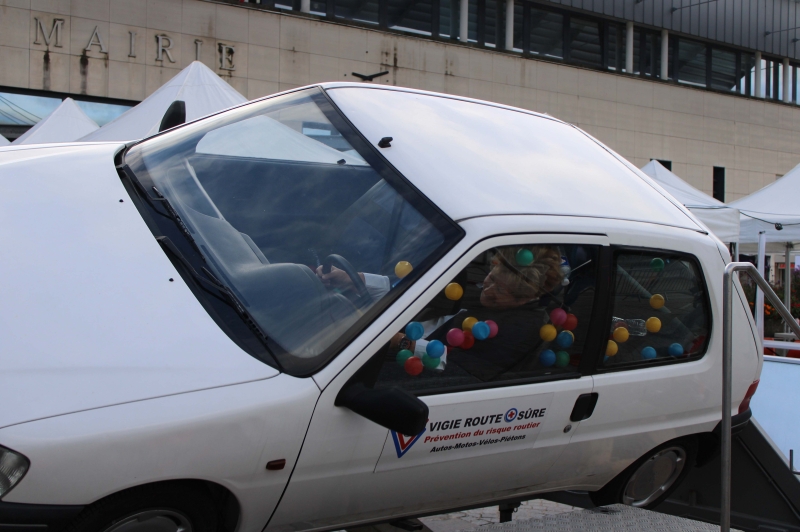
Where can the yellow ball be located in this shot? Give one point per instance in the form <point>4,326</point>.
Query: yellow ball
<point>621,335</point>
<point>453,291</point>
<point>548,333</point>
<point>468,323</point>
<point>653,325</point>
<point>402,268</point>
<point>611,348</point>
<point>657,301</point>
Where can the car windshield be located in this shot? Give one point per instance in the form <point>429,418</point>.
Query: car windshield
<point>310,231</point>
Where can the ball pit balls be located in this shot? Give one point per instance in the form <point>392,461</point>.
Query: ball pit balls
<point>524,257</point>
<point>468,322</point>
<point>434,349</point>
<point>548,333</point>
<point>414,330</point>
<point>657,264</point>
<point>402,268</point>
<point>653,325</point>
<point>571,323</point>
<point>403,355</point>
<point>621,335</point>
<point>565,339</point>
<point>562,359</point>
<point>430,362</point>
<point>611,348</point>
<point>547,358</point>
<point>675,350</point>
<point>413,366</point>
<point>481,331</point>
<point>493,328</point>
<point>656,301</point>
<point>455,337</point>
<point>558,317</point>
<point>649,353</point>
<point>453,292</point>
<point>468,342</point>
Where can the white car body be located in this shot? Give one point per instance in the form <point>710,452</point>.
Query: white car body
<point>115,376</point>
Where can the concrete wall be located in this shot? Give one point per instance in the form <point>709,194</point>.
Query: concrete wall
<point>754,140</point>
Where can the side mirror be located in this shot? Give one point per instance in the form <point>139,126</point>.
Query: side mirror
<point>392,408</point>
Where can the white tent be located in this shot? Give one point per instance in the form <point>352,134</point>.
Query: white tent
<point>203,91</point>
<point>66,123</point>
<point>721,219</point>
<point>4,141</point>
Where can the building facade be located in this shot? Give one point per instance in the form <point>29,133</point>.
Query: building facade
<point>710,88</point>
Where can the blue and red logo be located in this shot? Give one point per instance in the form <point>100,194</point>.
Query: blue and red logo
<point>511,415</point>
<point>403,443</point>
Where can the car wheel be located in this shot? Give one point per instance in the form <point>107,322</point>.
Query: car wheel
<point>173,507</point>
<point>650,479</point>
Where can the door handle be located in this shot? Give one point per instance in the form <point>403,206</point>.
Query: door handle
<point>584,407</point>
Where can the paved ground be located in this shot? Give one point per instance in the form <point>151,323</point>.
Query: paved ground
<point>535,509</point>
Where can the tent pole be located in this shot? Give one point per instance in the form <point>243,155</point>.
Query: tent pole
<point>762,251</point>
<point>787,280</point>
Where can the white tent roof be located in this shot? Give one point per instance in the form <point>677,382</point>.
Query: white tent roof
<point>776,203</point>
<point>721,219</point>
<point>203,91</point>
<point>66,123</point>
<point>4,141</point>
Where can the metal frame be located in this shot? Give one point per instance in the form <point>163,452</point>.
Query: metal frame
<point>727,344</point>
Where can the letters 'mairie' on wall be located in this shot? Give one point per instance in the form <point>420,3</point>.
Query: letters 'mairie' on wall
<point>226,57</point>
<point>58,23</point>
<point>96,40</point>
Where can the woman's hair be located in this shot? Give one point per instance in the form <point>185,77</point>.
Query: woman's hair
<point>532,281</point>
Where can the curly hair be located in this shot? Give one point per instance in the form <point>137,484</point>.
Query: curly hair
<point>532,281</point>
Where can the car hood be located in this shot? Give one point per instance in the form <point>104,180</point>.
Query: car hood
<point>92,312</point>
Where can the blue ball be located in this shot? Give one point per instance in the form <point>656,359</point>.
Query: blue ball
<point>564,339</point>
<point>605,359</point>
<point>480,331</point>
<point>435,349</point>
<point>414,330</point>
<point>547,358</point>
<point>675,350</point>
<point>649,353</point>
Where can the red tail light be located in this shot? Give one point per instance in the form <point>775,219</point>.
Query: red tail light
<point>751,391</point>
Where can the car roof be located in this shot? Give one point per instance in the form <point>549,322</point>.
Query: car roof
<point>475,158</point>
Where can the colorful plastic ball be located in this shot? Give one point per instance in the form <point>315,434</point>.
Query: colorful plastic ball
<point>481,331</point>
<point>571,323</point>
<point>453,292</point>
<point>605,358</point>
<point>649,353</point>
<point>524,257</point>
<point>430,362</point>
<point>414,330</point>
<point>653,325</point>
<point>434,349</point>
<point>493,328</point>
<point>562,359</point>
<point>565,339</point>
<point>468,322</point>
<point>403,355</point>
<point>468,342</point>
<point>548,333</point>
<point>547,358</point>
<point>675,350</point>
<point>413,366</point>
<point>657,264</point>
<point>621,335</point>
<point>657,301</point>
<point>611,348</point>
<point>455,337</point>
<point>402,268</point>
<point>558,316</point>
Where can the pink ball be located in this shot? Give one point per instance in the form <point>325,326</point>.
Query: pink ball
<point>558,317</point>
<point>492,328</point>
<point>455,337</point>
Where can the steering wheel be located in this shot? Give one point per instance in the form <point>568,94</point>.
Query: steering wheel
<point>344,265</point>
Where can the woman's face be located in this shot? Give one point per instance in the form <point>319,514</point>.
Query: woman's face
<point>496,294</point>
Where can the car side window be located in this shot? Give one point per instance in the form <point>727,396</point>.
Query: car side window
<point>660,309</point>
<point>515,313</point>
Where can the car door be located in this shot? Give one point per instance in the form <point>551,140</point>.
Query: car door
<point>500,397</point>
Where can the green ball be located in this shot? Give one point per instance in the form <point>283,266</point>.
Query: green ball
<point>403,355</point>
<point>430,362</point>
<point>562,359</point>
<point>657,264</point>
<point>524,257</point>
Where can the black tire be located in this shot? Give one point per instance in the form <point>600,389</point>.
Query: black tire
<point>651,478</point>
<point>182,502</point>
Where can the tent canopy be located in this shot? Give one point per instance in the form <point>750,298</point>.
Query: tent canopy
<point>203,91</point>
<point>721,219</point>
<point>776,203</point>
<point>66,123</point>
<point>4,141</point>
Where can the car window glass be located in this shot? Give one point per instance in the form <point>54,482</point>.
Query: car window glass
<point>660,309</point>
<point>515,313</point>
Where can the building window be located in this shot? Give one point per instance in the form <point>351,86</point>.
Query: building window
<point>719,183</point>
<point>355,10</point>
<point>584,46</point>
<point>691,62</point>
<point>723,70</point>
<point>410,15</point>
<point>547,33</point>
<point>665,163</point>
<point>646,53</point>
<point>615,47</point>
<point>747,74</point>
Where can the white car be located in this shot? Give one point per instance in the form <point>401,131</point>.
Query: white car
<point>348,304</point>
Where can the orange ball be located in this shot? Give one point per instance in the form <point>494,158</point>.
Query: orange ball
<point>621,335</point>
<point>611,348</point>
<point>402,268</point>
<point>548,333</point>
<point>653,325</point>
<point>467,324</point>
<point>453,291</point>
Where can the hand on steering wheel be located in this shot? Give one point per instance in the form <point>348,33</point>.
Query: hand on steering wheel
<point>339,276</point>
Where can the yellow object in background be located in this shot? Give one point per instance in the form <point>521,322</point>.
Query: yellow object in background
<point>453,291</point>
<point>548,333</point>
<point>611,348</point>
<point>657,301</point>
<point>621,335</point>
<point>468,322</point>
<point>653,325</point>
<point>402,268</point>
